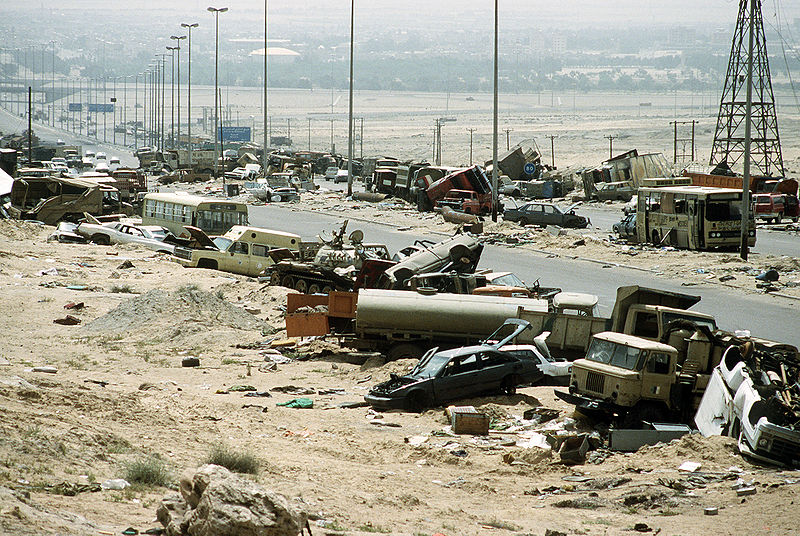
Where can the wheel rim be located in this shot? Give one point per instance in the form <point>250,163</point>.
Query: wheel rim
<point>314,288</point>
<point>287,281</point>
<point>301,286</point>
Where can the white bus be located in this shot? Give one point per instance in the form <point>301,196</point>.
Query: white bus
<point>174,210</point>
<point>692,217</point>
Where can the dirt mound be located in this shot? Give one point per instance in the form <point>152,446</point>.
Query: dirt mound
<point>165,310</point>
<point>714,453</point>
<point>21,230</point>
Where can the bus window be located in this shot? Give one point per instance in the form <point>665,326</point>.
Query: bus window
<point>724,211</point>
<point>667,203</point>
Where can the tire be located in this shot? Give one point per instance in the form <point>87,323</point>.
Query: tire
<point>301,286</point>
<point>405,350</point>
<point>779,218</point>
<point>645,412</point>
<point>287,281</point>
<point>314,288</point>
<point>208,171</point>
<point>327,289</point>
<point>524,221</point>
<point>417,401</point>
<point>509,385</point>
<point>656,238</point>
<point>211,264</point>
<point>101,240</point>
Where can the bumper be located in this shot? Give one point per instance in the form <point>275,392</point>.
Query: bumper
<point>591,406</point>
<point>385,402</point>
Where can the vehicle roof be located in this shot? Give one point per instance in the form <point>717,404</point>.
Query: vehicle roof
<point>574,299</point>
<point>189,199</point>
<point>634,342</point>
<point>237,231</point>
<point>693,190</point>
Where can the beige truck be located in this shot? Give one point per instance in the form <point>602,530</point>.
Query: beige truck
<point>242,250</point>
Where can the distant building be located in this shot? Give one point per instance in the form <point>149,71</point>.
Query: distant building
<point>277,54</point>
<point>559,44</point>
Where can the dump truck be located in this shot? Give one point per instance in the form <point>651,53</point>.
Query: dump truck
<point>653,366</point>
<point>397,323</point>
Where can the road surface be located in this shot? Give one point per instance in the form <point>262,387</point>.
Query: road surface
<point>769,317</point>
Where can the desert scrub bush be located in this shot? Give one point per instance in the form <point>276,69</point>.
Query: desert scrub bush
<point>236,461</point>
<point>149,471</point>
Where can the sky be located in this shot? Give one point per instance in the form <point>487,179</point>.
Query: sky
<point>560,13</point>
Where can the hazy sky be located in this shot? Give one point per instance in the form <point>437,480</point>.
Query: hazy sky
<point>563,12</point>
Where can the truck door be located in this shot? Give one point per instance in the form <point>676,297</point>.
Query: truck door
<point>238,258</point>
<point>658,376</point>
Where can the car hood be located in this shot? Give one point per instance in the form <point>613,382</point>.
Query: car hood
<point>396,385</point>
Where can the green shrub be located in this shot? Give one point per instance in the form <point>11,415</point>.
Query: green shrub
<point>150,471</point>
<point>238,462</point>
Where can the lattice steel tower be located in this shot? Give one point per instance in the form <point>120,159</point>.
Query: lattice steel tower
<point>729,138</point>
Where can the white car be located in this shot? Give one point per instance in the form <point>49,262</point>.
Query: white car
<point>89,154</point>
<point>150,236</point>
<point>341,176</point>
<point>331,172</point>
<point>114,160</point>
<point>100,156</point>
<point>556,370</point>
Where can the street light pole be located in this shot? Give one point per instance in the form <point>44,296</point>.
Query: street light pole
<point>350,114</point>
<point>172,100</point>
<point>189,104</point>
<point>178,39</point>
<point>264,159</point>
<point>494,120</point>
<point>217,140</point>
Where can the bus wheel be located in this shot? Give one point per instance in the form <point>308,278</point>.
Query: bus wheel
<point>314,288</point>
<point>301,286</point>
<point>404,350</point>
<point>287,281</point>
<point>656,241</point>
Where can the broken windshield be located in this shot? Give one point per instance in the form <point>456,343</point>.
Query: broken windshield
<point>614,354</point>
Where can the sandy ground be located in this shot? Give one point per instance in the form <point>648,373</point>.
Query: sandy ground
<point>119,394</point>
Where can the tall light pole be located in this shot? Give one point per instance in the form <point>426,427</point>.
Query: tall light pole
<point>264,159</point>
<point>350,114</point>
<point>216,11</point>
<point>172,99</point>
<point>189,104</point>
<point>178,39</point>
<point>494,121</point>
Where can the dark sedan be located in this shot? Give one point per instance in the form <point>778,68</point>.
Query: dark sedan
<point>545,214</point>
<point>459,373</point>
<point>626,228</point>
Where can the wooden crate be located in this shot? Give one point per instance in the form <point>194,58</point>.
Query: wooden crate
<point>468,420</point>
<point>306,324</point>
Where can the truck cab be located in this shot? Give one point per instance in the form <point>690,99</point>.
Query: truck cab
<point>624,375</point>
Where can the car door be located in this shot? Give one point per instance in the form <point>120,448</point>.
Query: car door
<point>497,366</point>
<point>533,214</point>
<point>460,378</point>
<point>237,259</point>
<point>552,216</point>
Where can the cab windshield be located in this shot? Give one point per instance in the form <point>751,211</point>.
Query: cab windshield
<point>614,354</point>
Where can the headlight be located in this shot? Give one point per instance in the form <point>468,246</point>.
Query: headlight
<point>751,233</point>
<point>765,443</point>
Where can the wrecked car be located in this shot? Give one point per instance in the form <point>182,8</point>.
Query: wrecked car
<point>545,214</point>
<point>626,228</point>
<point>555,370</point>
<point>150,236</point>
<point>459,373</point>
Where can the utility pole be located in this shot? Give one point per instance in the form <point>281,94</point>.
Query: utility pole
<point>508,138</point>
<point>748,118</point>
<point>189,90</point>
<point>610,139</point>
<point>471,130</point>
<point>552,150</point>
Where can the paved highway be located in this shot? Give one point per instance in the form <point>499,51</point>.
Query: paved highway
<point>765,316</point>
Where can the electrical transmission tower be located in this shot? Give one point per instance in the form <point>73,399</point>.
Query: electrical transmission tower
<point>729,138</point>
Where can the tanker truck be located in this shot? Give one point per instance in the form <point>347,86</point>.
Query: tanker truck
<point>403,324</point>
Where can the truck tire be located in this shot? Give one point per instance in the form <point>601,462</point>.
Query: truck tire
<point>208,171</point>
<point>101,239</point>
<point>314,288</point>
<point>404,350</point>
<point>211,264</point>
<point>417,401</point>
<point>645,412</point>
<point>287,281</point>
